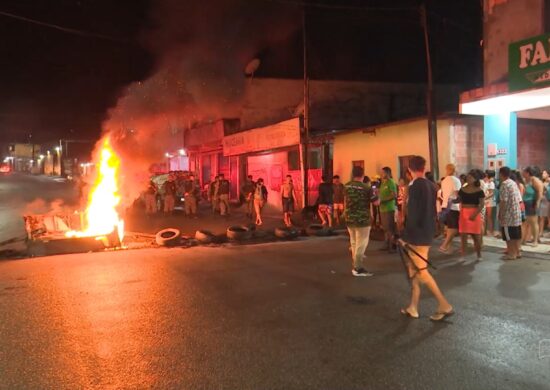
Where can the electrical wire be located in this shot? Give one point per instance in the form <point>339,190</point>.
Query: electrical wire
<point>342,7</point>
<point>61,28</point>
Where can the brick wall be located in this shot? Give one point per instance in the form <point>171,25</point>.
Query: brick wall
<point>467,148</point>
<point>533,143</point>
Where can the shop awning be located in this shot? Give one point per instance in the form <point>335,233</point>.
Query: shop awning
<point>491,101</point>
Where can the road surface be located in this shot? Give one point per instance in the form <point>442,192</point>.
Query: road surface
<point>271,316</point>
<point>22,194</point>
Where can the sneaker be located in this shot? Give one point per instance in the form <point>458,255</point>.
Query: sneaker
<point>361,272</point>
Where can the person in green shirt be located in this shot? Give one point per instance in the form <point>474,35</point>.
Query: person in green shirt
<point>388,197</point>
<point>357,199</point>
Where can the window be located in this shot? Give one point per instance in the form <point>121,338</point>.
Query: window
<point>315,160</point>
<point>358,163</point>
<point>293,160</point>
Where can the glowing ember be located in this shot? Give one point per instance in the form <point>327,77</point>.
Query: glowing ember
<point>101,217</point>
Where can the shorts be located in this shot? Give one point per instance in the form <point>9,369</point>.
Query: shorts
<point>451,220</point>
<point>338,206</point>
<point>387,218</point>
<point>288,205</point>
<point>325,208</point>
<point>530,210</point>
<point>511,233</point>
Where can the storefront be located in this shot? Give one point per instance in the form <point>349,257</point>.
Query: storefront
<point>526,96</point>
<point>272,153</point>
<point>203,145</point>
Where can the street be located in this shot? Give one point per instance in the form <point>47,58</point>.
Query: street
<point>272,316</point>
<point>269,316</point>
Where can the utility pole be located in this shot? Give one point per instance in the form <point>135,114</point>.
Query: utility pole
<point>305,136</point>
<point>432,117</point>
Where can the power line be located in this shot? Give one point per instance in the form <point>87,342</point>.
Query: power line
<point>61,28</point>
<point>341,7</point>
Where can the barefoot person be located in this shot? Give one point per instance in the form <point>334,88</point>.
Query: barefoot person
<point>260,199</point>
<point>418,236</point>
<point>288,196</point>
<point>357,199</point>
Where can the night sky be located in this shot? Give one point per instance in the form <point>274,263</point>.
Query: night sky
<point>59,84</point>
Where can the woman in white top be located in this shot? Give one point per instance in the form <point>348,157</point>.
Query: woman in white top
<point>490,202</point>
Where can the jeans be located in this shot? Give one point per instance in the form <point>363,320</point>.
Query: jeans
<point>359,240</point>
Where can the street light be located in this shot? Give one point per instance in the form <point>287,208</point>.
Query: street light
<point>182,152</point>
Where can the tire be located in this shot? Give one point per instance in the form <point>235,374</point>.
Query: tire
<point>286,233</point>
<point>204,236</point>
<point>168,237</point>
<point>238,233</point>
<point>317,230</point>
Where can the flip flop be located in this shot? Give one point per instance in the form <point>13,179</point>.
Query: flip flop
<point>406,313</point>
<point>441,316</point>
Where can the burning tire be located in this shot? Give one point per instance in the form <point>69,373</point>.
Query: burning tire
<point>204,236</point>
<point>318,230</point>
<point>238,233</point>
<point>286,233</point>
<point>168,237</point>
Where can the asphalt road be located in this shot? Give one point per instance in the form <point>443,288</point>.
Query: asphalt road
<point>271,316</point>
<point>22,194</point>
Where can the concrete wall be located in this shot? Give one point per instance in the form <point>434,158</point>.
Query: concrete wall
<point>507,21</point>
<point>337,104</point>
<point>384,146</point>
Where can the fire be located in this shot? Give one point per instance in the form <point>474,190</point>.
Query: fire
<point>101,217</point>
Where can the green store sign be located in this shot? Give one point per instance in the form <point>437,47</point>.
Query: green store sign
<point>529,63</point>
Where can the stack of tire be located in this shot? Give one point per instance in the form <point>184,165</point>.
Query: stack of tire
<point>168,237</point>
<point>286,233</point>
<point>239,233</point>
<point>318,230</point>
<point>204,236</point>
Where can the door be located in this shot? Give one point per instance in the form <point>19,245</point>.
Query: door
<point>404,165</point>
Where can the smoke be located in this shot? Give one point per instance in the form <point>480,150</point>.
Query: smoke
<point>201,50</point>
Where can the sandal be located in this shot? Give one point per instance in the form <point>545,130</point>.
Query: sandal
<point>441,316</point>
<point>406,313</point>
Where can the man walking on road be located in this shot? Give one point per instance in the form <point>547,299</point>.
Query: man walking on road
<point>151,198</point>
<point>247,191</point>
<point>223,193</point>
<point>357,200</point>
<point>213,193</point>
<point>418,236</point>
<point>450,186</point>
<point>169,195</point>
<point>388,198</point>
<point>191,194</point>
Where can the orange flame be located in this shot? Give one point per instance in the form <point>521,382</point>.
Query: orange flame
<point>101,217</point>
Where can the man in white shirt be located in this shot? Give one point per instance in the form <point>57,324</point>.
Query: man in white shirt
<point>450,186</point>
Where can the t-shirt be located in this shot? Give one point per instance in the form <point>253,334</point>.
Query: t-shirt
<point>357,198</point>
<point>170,188</point>
<point>449,186</point>
<point>490,202</point>
<point>325,193</point>
<point>509,213</point>
<point>338,193</point>
<point>223,187</point>
<point>421,213</point>
<point>387,188</point>
<point>471,198</point>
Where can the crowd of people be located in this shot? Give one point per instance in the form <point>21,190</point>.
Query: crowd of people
<point>513,206</point>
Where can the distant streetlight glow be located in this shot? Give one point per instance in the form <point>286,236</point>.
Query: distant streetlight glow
<point>182,152</point>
